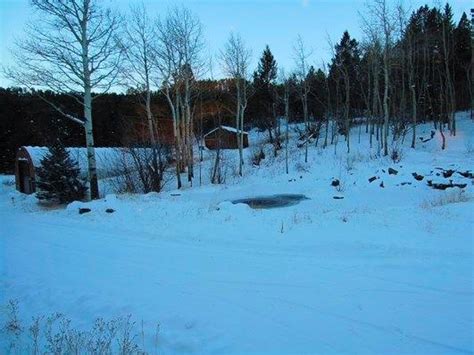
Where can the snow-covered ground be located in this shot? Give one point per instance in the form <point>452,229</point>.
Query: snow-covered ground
<point>385,269</point>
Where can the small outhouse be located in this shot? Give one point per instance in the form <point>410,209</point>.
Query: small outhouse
<point>225,137</point>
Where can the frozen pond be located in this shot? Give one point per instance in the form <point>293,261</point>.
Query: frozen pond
<point>272,201</point>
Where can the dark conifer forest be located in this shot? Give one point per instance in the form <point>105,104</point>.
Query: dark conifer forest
<point>429,70</point>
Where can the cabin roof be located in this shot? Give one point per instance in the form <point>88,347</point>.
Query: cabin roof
<point>108,160</point>
<point>225,128</point>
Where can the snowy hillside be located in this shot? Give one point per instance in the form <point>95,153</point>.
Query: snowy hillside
<point>362,267</point>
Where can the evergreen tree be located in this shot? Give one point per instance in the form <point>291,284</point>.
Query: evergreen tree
<point>59,176</point>
<point>264,97</point>
<point>317,97</point>
<point>267,70</point>
<point>462,57</point>
<point>344,74</point>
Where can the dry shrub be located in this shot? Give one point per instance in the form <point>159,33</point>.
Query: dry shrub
<point>55,334</point>
<point>448,197</point>
<point>302,167</point>
<point>257,156</point>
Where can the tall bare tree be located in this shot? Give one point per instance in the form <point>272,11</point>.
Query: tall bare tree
<point>140,64</point>
<point>447,50</point>
<point>383,21</point>
<point>139,72</point>
<point>235,60</point>
<point>411,54</point>
<point>286,83</point>
<point>179,59</point>
<point>301,56</point>
<point>71,48</point>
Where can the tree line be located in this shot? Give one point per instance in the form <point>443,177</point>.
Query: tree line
<point>408,68</point>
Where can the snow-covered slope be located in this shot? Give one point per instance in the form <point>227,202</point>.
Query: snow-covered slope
<point>385,269</point>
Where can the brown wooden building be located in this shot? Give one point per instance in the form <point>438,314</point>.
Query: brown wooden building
<point>25,171</point>
<point>225,137</point>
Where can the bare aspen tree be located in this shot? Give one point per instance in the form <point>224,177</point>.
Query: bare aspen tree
<point>71,48</point>
<point>301,56</point>
<point>138,71</point>
<point>139,63</point>
<point>328,110</point>
<point>217,173</point>
<point>382,18</point>
<point>374,49</point>
<point>365,87</point>
<point>447,48</point>
<point>411,53</point>
<point>285,81</point>
<point>179,59</point>
<point>400,60</point>
<point>343,70</point>
<point>235,59</point>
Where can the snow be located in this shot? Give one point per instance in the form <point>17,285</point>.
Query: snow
<point>383,270</point>
<point>227,128</point>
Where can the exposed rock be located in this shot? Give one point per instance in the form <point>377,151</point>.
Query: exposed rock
<point>338,197</point>
<point>405,183</point>
<point>418,177</point>
<point>335,183</point>
<point>392,171</point>
<point>448,173</point>
<point>373,178</point>
<point>84,210</point>
<point>466,174</point>
<point>110,210</point>
<point>382,185</point>
<point>441,186</point>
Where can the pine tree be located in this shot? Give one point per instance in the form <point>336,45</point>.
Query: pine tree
<point>264,97</point>
<point>462,57</point>
<point>267,71</point>
<point>59,177</point>
<point>344,73</point>
<point>317,100</point>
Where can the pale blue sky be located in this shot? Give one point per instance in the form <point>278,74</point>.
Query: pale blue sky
<point>260,22</point>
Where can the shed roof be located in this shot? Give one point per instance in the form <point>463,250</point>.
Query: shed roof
<point>226,128</point>
<point>77,153</point>
<point>107,159</point>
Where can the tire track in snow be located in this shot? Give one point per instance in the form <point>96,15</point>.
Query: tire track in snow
<point>382,328</point>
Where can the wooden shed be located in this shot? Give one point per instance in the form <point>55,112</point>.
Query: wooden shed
<point>225,137</point>
<point>24,172</point>
<point>28,159</point>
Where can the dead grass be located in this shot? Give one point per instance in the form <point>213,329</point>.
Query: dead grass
<point>448,197</point>
<point>55,334</point>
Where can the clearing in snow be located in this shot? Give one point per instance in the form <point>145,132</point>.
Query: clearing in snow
<point>388,268</point>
